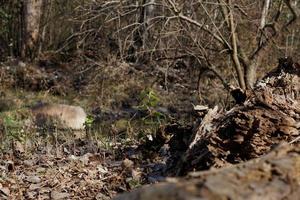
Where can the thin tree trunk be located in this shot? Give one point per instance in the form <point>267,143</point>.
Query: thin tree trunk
<point>264,14</point>
<point>31,14</point>
<point>251,67</point>
<point>44,15</point>
<point>250,72</point>
<point>141,34</point>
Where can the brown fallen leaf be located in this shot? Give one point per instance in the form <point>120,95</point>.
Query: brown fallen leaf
<point>55,195</point>
<point>18,147</point>
<point>127,164</point>
<point>32,179</point>
<point>35,186</point>
<point>5,191</point>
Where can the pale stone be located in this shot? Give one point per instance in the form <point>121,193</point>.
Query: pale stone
<point>72,117</point>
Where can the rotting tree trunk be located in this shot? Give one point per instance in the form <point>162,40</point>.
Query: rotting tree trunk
<point>256,126</point>
<point>31,14</point>
<point>274,176</point>
<point>270,114</point>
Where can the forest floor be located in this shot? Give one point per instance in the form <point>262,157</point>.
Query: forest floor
<point>141,122</point>
<point>133,112</point>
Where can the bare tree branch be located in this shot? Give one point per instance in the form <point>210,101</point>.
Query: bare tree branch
<point>197,24</point>
<point>264,13</point>
<point>294,11</point>
<point>235,58</point>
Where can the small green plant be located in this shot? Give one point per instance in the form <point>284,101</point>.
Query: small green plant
<point>133,183</point>
<point>149,103</point>
<point>13,127</point>
<point>4,20</point>
<point>89,122</point>
<point>149,99</point>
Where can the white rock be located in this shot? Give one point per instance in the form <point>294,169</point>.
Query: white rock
<point>72,117</point>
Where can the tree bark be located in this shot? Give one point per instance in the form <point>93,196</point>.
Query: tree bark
<point>274,176</point>
<point>31,14</point>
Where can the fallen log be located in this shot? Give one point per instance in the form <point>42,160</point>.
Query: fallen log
<point>239,149</point>
<point>269,114</point>
<point>273,176</point>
